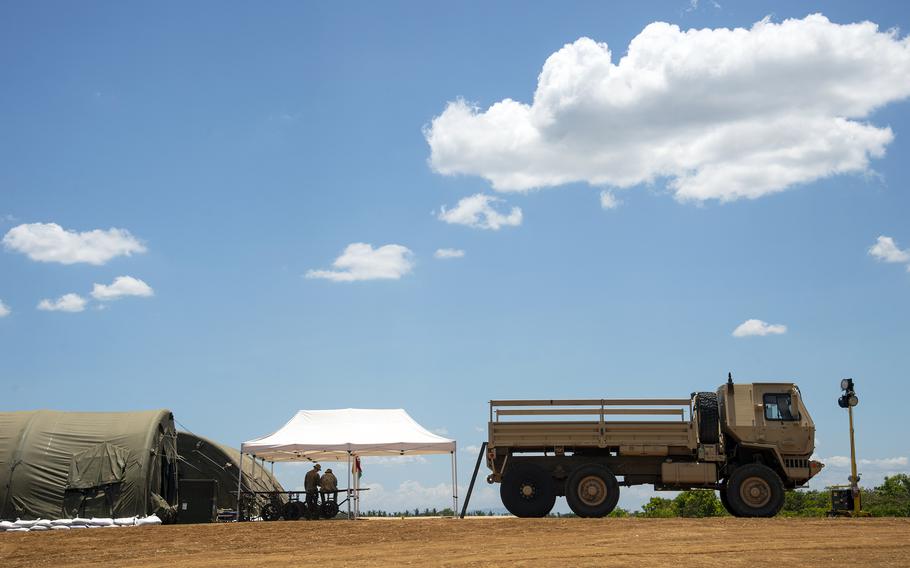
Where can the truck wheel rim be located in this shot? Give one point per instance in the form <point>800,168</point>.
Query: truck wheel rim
<point>755,492</point>
<point>592,490</point>
<point>527,490</point>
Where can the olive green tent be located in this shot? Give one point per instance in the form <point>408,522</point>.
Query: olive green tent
<point>107,464</point>
<point>203,459</point>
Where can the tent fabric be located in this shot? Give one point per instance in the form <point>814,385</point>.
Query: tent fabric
<point>333,435</point>
<point>203,459</point>
<point>62,464</point>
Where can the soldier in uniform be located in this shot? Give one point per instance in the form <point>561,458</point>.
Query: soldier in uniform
<point>311,484</point>
<point>329,485</point>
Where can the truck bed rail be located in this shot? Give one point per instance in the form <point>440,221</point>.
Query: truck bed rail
<point>508,429</point>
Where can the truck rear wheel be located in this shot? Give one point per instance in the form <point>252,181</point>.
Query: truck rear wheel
<point>755,490</point>
<point>527,490</point>
<point>708,417</point>
<point>592,491</point>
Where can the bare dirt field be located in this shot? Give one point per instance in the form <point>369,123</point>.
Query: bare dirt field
<point>477,542</point>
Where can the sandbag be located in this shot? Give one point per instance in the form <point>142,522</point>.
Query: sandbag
<point>150,520</point>
<point>125,521</point>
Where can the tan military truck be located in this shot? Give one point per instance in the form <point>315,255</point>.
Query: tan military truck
<point>751,442</point>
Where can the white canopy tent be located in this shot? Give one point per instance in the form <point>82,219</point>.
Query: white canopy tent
<point>344,434</point>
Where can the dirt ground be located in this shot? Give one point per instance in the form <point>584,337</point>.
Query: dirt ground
<point>480,541</point>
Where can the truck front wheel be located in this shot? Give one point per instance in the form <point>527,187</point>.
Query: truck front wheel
<point>527,490</point>
<point>592,491</point>
<point>754,490</point>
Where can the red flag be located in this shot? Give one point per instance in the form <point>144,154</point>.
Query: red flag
<point>356,469</point>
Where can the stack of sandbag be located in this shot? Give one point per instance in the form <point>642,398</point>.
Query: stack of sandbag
<point>77,523</point>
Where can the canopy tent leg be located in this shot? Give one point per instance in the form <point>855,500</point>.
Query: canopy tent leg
<point>454,483</point>
<point>356,493</point>
<point>349,485</point>
<point>239,481</point>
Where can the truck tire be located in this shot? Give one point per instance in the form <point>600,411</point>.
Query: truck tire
<point>592,491</point>
<point>723,499</point>
<point>527,490</point>
<point>708,417</point>
<point>755,490</point>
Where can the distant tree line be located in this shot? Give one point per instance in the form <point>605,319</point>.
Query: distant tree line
<point>890,499</point>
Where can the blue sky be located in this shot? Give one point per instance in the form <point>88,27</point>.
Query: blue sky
<point>244,146</point>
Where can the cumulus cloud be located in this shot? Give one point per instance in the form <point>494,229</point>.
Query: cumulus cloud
<point>65,303</point>
<point>720,114</point>
<point>4,310</point>
<point>49,242</point>
<point>608,200</point>
<point>886,250</point>
<point>444,253</point>
<point>880,463</point>
<point>122,286</point>
<point>872,471</point>
<point>360,261</point>
<point>758,327</point>
<point>477,211</point>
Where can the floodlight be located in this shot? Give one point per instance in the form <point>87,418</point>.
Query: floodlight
<point>846,384</point>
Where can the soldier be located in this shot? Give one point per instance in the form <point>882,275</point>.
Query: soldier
<point>329,486</point>
<point>311,483</point>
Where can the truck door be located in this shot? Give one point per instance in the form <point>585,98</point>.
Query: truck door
<point>780,419</point>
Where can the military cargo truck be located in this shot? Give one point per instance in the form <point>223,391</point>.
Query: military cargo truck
<point>749,441</point>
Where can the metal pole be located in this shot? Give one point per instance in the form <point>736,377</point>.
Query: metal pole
<point>239,480</point>
<point>455,483</point>
<point>854,481</point>
<point>349,484</point>
<point>467,497</point>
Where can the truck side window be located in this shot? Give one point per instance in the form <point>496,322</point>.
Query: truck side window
<point>778,407</point>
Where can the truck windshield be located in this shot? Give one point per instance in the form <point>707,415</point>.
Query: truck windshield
<point>778,407</point>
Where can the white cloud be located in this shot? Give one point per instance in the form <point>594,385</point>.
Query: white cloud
<point>4,310</point>
<point>360,261</point>
<point>883,463</point>
<point>752,327</point>
<point>476,211</point>
<point>720,114</point>
<point>608,200</point>
<point>121,287</point>
<point>65,303</point>
<point>408,495</point>
<point>872,471</point>
<point>886,250</point>
<point>49,242</point>
<point>444,253</point>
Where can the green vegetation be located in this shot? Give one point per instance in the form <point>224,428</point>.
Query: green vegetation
<point>695,503</point>
<point>890,499</point>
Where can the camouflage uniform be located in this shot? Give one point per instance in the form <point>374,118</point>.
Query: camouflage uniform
<point>329,485</point>
<point>311,483</point>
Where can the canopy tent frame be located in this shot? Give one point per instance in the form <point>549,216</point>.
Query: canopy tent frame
<point>346,435</point>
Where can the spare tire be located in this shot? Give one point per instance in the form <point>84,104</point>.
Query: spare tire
<point>708,417</point>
